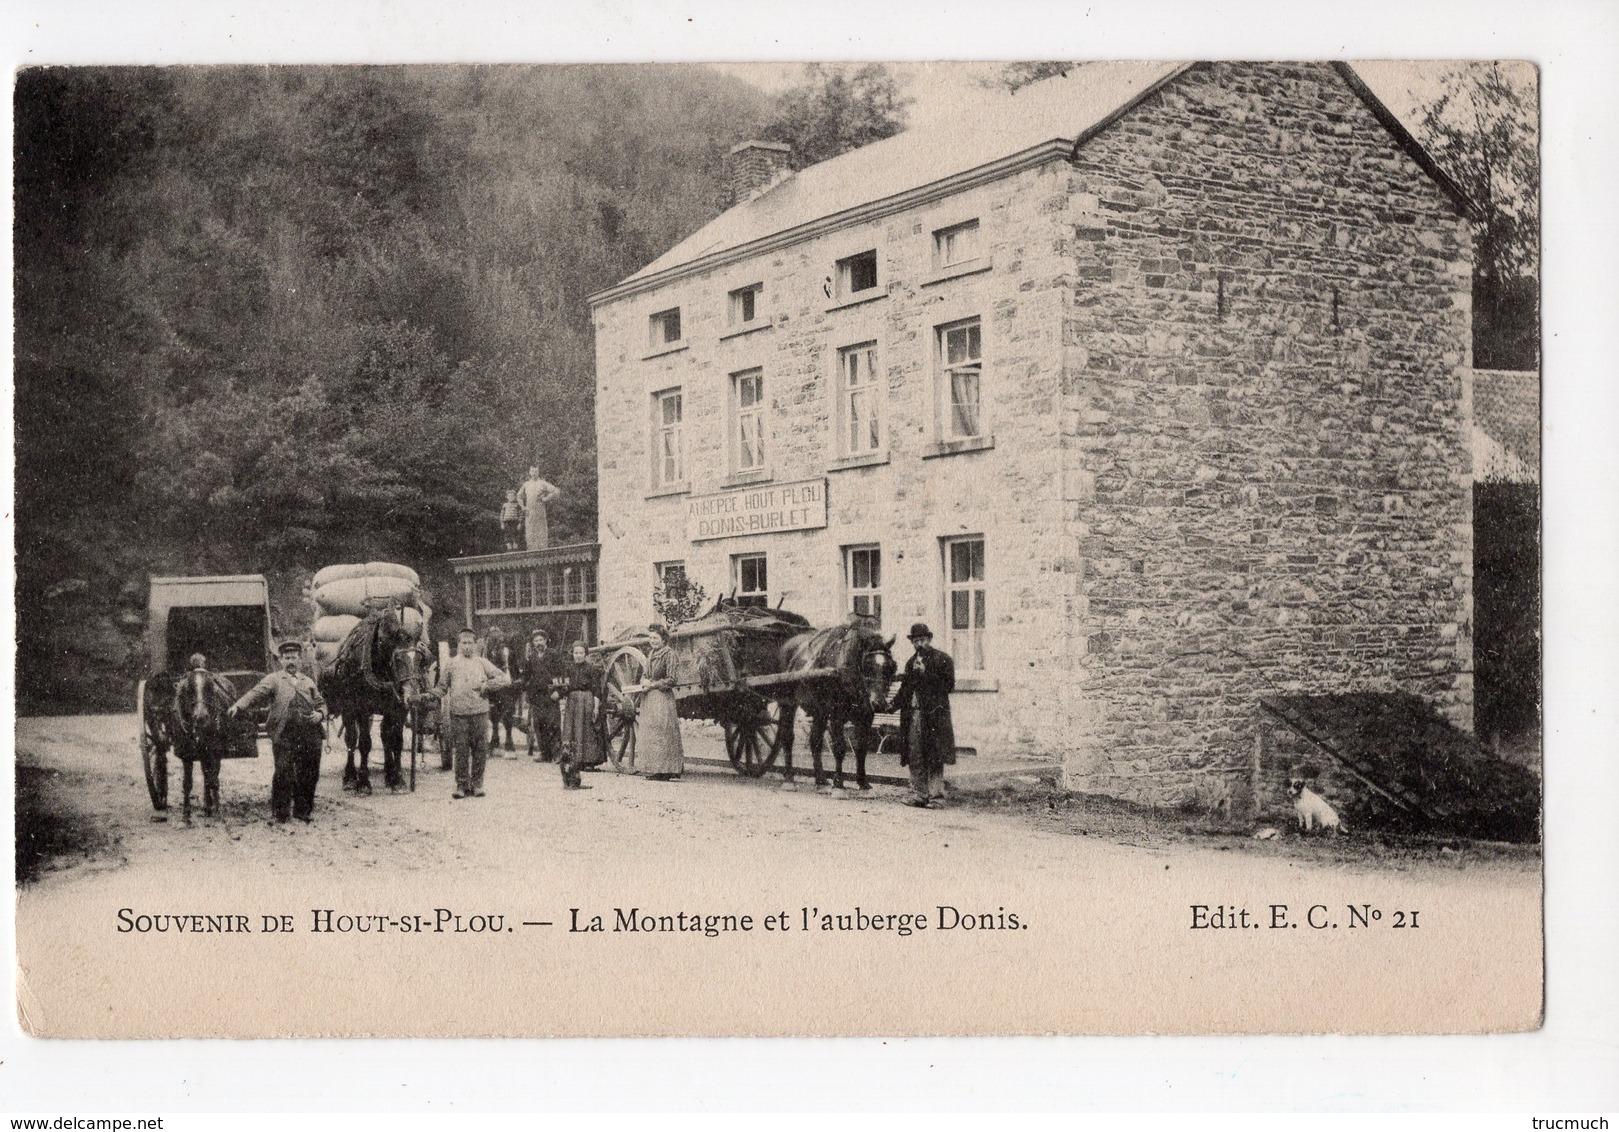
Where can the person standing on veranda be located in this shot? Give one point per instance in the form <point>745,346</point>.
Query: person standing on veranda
<point>462,686</point>
<point>657,742</point>
<point>927,733</point>
<point>511,522</point>
<point>532,497</point>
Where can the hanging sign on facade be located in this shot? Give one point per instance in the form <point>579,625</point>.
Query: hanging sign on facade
<point>761,510</point>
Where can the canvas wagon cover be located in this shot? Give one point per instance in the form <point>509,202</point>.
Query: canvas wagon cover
<point>224,617</point>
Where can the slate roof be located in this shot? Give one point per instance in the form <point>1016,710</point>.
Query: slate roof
<point>990,128</point>
<point>1506,425</point>
<point>1054,113</point>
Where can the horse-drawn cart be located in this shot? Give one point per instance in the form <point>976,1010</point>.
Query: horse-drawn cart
<point>227,620</point>
<point>729,668</point>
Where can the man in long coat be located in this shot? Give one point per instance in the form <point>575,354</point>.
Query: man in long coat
<point>927,735</point>
<point>544,683</point>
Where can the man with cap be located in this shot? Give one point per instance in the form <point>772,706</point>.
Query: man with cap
<point>462,683</point>
<point>544,683</point>
<point>297,731</point>
<point>927,735</point>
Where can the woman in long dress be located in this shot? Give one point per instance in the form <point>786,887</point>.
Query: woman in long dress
<point>581,746</point>
<point>657,738</point>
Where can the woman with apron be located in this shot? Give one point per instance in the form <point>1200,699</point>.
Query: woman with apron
<point>657,724</point>
<point>581,746</point>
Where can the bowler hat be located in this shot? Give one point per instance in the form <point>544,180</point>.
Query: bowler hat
<point>919,630</point>
<point>290,647</point>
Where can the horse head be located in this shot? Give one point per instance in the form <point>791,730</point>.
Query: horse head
<point>410,664</point>
<point>200,702</point>
<point>864,660</point>
<point>390,633</point>
<point>877,667</point>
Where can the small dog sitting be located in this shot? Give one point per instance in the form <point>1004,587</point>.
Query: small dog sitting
<point>1312,810</point>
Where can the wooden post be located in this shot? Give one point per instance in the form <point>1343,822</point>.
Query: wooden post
<point>466,580</point>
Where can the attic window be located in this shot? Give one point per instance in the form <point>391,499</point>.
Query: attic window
<point>955,244</point>
<point>665,328</point>
<point>744,304</point>
<point>857,274</point>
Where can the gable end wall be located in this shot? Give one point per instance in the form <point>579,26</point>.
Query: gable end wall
<point>1266,459</point>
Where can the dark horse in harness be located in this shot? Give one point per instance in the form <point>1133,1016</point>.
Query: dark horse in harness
<point>201,730</point>
<point>362,682</point>
<point>502,702</point>
<point>857,688</point>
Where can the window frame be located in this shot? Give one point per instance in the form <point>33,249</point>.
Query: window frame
<point>658,329</point>
<point>853,593</point>
<point>941,235</point>
<point>738,414</point>
<point>874,386</point>
<point>735,300</point>
<point>660,427</point>
<point>844,274</point>
<point>663,571</point>
<point>747,597</point>
<point>967,659</point>
<point>944,386</point>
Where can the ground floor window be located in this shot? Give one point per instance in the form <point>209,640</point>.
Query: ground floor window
<point>863,581</point>
<point>750,579</point>
<point>964,595</point>
<point>529,590</point>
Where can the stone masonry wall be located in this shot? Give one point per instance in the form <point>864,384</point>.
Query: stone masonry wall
<point>1266,461</point>
<point>905,500</point>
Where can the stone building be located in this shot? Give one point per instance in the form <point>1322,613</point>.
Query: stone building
<point>1146,392</point>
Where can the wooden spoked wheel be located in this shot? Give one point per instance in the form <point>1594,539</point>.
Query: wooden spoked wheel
<point>154,751</point>
<point>620,704</point>
<point>751,735</point>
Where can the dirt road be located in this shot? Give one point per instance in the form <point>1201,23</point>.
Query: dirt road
<point>1106,938</point>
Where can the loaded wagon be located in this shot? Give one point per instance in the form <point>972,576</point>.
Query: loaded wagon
<point>226,619</point>
<point>727,670</point>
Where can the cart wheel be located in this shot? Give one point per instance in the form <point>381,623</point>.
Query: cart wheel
<point>154,754</point>
<point>626,670</point>
<point>751,740</point>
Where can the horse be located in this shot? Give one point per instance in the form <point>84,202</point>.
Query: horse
<point>158,720</point>
<point>411,666</point>
<point>503,701</point>
<point>864,668</point>
<point>360,683</point>
<point>200,729</point>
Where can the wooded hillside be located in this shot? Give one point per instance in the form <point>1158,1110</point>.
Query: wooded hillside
<point>272,318</point>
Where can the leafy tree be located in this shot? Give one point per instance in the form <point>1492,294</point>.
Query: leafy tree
<point>273,318</point>
<point>1506,609</point>
<point>835,109</point>
<point>678,599</point>
<point>1483,129</point>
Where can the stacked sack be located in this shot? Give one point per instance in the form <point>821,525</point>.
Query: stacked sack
<point>344,594</point>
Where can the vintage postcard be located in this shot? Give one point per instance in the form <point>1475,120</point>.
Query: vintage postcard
<point>777,549</point>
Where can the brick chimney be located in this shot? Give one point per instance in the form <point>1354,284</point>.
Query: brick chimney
<point>755,166</point>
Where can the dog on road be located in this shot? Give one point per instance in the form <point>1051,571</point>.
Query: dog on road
<point>1312,810</point>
